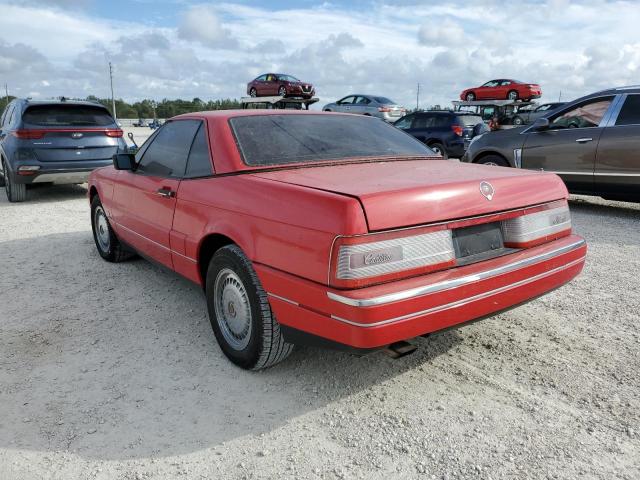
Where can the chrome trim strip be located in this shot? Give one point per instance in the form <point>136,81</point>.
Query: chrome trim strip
<point>562,172</point>
<point>464,301</point>
<point>616,174</point>
<point>156,243</point>
<point>283,299</point>
<point>455,283</point>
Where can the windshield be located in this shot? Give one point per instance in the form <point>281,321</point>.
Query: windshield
<point>282,139</point>
<point>287,78</point>
<point>67,116</point>
<point>384,100</point>
<point>470,120</point>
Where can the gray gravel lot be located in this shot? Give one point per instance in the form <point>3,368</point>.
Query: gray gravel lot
<point>112,372</point>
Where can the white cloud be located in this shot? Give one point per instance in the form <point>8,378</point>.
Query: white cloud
<point>386,49</point>
<point>200,23</point>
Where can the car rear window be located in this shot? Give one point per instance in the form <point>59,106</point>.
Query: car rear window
<point>384,100</point>
<point>470,120</point>
<point>282,139</point>
<point>67,116</point>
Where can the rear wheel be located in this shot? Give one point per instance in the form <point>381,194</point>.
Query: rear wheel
<point>282,91</point>
<point>512,95</point>
<point>242,321</point>
<point>518,121</point>
<point>470,97</point>
<point>108,245</point>
<point>16,192</point>
<point>494,160</point>
<point>439,149</point>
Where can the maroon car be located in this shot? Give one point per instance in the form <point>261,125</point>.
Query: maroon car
<point>271,84</point>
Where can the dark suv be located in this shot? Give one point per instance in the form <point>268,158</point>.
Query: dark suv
<point>446,133</point>
<point>592,143</point>
<point>57,142</point>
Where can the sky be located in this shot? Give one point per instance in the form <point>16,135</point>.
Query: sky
<point>210,50</point>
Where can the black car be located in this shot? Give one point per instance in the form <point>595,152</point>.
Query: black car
<point>57,142</point>
<point>446,133</point>
<point>592,143</point>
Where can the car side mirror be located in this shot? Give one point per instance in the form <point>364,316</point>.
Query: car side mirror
<point>124,161</point>
<point>541,124</point>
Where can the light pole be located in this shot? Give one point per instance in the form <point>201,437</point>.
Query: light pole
<point>418,97</point>
<point>113,100</point>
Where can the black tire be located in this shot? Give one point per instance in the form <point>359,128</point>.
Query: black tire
<point>495,160</point>
<point>2,182</point>
<point>328,110</point>
<point>512,95</point>
<point>282,91</point>
<point>16,192</point>
<point>438,148</point>
<point>470,97</point>
<point>518,121</point>
<point>249,334</point>
<point>108,245</point>
<point>253,92</point>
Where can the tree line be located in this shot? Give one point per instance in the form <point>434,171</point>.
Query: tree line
<point>152,109</point>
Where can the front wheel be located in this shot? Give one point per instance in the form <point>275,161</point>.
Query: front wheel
<point>470,97</point>
<point>253,92</point>
<point>108,245</point>
<point>518,121</point>
<point>16,192</point>
<point>439,149</point>
<point>241,317</point>
<point>493,160</point>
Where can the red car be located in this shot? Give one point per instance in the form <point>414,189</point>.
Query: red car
<point>502,89</point>
<point>332,229</point>
<point>272,84</point>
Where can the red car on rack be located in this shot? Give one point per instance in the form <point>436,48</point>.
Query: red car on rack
<point>502,89</point>
<point>328,228</point>
<point>280,84</point>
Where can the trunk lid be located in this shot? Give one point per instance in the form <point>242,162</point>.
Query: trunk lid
<point>397,194</point>
<point>77,145</point>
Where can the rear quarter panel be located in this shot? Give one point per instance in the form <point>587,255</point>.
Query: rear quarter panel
<point>283,226</point>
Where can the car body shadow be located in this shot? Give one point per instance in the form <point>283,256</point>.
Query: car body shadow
<point>46,193</point>
<point>117,361</point>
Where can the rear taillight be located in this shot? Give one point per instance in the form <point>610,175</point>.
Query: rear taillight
<point>384,109</point>
<point>457,129</point>
<point>25,134</point>
<point>113,132</point>
<point>28,170</point>
<point>537,228</point>
<point>381,257</point>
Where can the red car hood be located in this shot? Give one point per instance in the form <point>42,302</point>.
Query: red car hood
<point>404,193</point>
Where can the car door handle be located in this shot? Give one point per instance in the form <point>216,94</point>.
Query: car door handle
<point>584,140</point>
<point>166,192</point>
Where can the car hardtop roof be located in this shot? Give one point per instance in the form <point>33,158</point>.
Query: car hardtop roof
<point>91,103</point>
<point>226,114</point>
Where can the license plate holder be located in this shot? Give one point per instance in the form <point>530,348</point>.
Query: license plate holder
<point>478,242</point>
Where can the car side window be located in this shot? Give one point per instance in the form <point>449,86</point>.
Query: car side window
<point>504,83</point>
<point>363,101</point>
<point>166,155</point>
<point>423,121</point>
<point>492,83</point>
<point>588,114</point>
<point>630,112</point>
<point>271,78</point>
<point>262,78</point>
<point>405,122</point>
<point>347,100</point>
<point>199,161</point>
<point>4,115</point>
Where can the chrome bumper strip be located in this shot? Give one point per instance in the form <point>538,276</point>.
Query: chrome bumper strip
<point>464,301</point>
<point>454,283</point>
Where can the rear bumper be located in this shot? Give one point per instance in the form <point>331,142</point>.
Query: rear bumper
<point>380,315</point>
<point>61,173</point>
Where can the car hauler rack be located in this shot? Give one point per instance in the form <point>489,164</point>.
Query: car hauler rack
<point>277,102</point>
<point>498,113</point>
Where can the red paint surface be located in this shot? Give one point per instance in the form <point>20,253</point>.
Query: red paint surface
<point>287,221</point>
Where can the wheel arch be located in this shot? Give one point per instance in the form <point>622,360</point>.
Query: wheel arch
<point>486,153</point>
<point>209,245</point>
<point>93,191</point>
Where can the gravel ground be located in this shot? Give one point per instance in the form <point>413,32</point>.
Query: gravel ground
<point>112,372</point>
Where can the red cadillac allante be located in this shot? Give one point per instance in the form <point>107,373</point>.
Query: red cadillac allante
<point>330,228</point>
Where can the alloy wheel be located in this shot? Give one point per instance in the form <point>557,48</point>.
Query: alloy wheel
<point>233,310</point>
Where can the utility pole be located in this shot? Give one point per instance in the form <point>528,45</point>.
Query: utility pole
<point>418,97</point>
<point>560,96</point>
<point>113,100</point>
